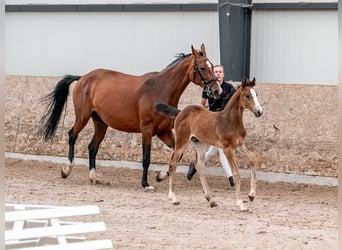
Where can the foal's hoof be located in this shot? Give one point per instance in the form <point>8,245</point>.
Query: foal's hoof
<point>251,198</point>
<point>213,204</point>
<point>175,203</point>
<point>161,176</point>
<point>158,177</point>
<point>148,189</point>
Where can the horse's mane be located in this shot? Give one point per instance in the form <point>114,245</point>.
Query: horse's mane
<point>180,57</point>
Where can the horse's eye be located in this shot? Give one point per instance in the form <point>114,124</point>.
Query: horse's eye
<point>247,96</point>
<point>202,68</point>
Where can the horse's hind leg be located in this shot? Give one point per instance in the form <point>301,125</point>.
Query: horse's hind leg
<point>200,167</point>
<point>93,147</point>
<point>66,170</point>
<point>73,133</point>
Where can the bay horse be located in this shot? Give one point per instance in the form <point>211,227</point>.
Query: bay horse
<point>222,129</point>
<point>126,103</point>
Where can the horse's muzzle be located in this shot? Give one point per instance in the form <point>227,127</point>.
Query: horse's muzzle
<point>216,94</point>
<point>258,112</point>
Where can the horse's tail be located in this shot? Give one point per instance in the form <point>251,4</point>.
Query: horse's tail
<point>56,101</point>
<point>166,110</point>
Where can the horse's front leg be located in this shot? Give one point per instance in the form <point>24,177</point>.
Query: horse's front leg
<point>146,149</point>
<point>252,159</point>
<point>200,167</point>
<point>230,154</point>
<point>93,147</point>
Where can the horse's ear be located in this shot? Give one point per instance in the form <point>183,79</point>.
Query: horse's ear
<point>253,82</point>
<point>203,50</point>
<point>244,82</point>
<point>195,52</point>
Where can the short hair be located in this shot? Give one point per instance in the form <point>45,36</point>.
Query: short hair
<point>219,65</point>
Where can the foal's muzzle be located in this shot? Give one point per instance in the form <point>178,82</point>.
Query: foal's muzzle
<point>258,112</point>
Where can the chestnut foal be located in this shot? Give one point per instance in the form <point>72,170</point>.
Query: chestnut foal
<point>222,129</point>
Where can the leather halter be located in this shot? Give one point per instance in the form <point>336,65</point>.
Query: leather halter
<point>205,83</point>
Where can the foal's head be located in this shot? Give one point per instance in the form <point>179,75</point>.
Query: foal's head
<point>203,73</point>
<point>249,98</point>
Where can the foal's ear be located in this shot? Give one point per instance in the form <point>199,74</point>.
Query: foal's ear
<point>253,82</point>
<point>195,52</point>
<point>203,50</point>
<point>244,82</point>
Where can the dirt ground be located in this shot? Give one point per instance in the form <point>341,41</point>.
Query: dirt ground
<point>283,216</point>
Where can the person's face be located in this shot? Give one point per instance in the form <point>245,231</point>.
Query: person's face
<point>218,71</point>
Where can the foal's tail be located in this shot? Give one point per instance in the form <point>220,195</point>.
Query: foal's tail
<point>56,101</point>
<point>166,110</point>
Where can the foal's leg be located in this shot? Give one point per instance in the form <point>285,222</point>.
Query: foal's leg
<point>93,147</point>
<point>200,167</point>
<point>171,173</point>
<point>175,158</point>
<point>230,154</point>
<point>169,140</point>
<point>252,159</point>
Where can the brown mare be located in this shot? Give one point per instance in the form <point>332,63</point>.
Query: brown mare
<point>126,102</point>
<point>222,129</point>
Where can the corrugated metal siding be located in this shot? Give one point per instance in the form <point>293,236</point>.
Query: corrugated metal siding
<point>54,44</point>
<point>294,46</point>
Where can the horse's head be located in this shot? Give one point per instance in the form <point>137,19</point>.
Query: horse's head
<point>203,73</point>
<point>249,97</point>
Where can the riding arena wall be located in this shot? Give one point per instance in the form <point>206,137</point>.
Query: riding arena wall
<point>297,88</point>
<point>296,134</point>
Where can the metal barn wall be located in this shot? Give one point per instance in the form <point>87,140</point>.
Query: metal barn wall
<point>294,46</point>
<point>58,43</point>
<point>287,46</point>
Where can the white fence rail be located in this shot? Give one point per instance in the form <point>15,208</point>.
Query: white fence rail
<point>36,227</point>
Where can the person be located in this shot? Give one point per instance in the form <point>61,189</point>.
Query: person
<point>216,105</point>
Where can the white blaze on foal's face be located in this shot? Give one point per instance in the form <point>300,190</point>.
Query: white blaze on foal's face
<point>257,109</point>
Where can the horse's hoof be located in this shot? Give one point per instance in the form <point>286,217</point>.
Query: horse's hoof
<point>148,189</point>
<point>213,204</point>
<point>65,171</point>
<point>63,175</point>
<point>161,176</point>
<point>158,178</point>
<point>250,197</point>
<point>175,203</point>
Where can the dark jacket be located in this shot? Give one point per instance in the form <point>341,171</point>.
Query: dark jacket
<point>218,104</point>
